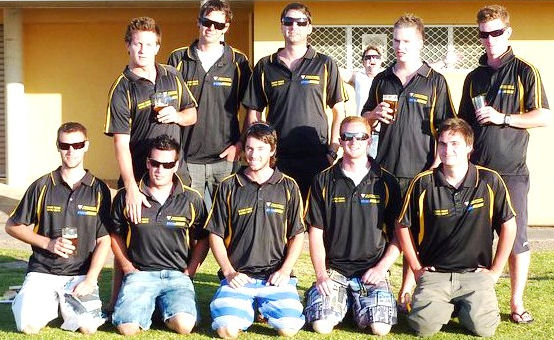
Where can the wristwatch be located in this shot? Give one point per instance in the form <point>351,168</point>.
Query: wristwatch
<point>507,119</point>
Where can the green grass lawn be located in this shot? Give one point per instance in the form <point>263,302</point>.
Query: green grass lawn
<point>539,299</point>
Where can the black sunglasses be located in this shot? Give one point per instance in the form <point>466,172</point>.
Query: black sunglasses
<point>348,136</point>
<point>495,33</point>
<point>156,164</point>
<point>371,56</point>
<point>208,23</point>
<point>288,21</point>
<point>75,146</point>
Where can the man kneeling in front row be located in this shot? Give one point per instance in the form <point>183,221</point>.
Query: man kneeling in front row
<point>446,232</point>
<point>160,255</point>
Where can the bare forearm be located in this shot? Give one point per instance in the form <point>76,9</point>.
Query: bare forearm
<point>317,251</point>
<point>120,253</point>
<point>505,244</point>
<point>294,248</point>
<point>25,234</point>
<point>251,117</point>
<point>531,119</point>
<point>187,116</point>
<point>124,160</point>
<point>199,252</point>
<point>220,254</point>
<point>338,116</point>
<point>406,242</point>
<point>99,257</point>
<point>391,254</point>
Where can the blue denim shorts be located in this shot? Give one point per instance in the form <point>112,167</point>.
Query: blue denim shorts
<point>141,291</point>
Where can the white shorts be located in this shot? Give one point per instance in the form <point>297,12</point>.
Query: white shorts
<point>37,303</point>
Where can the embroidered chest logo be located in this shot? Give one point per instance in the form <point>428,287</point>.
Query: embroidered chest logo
<point>507,89</point>
<point>307,79</point>
<point>53,208</point>
<point>370,199</point>
<point>144,220</point>
<point>339,199</point>
<point>222,81</point>
<point>176,221</point>
<point>245,211</point>
<point>192,82</point>
<point>475,204</point>
<point>276,83</point>
<point>418,98</point>
<point>87,210</point>
<point>274,208</point>
<point>440,212</point>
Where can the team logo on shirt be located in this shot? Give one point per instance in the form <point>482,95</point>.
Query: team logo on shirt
<point>307,79</point>
<point>274,208</point>
<point>339,199</point>
<point>192,82</point>
<point>507,89</point>
<point>176,221</point>
<point>370,199</point>
<point>144,104</point>
<point>87,210</point>
<point>245,211</point>
<point>144,220</point>
<point>418,98</point>
<point>53,208</point>
<point>440,212</point>
<point>475,204</point>
<point>276,83</point>
<point>222,81</point>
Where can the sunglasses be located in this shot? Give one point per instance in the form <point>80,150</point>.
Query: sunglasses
<point>75,146</point>
<point>288,21</point>
<point>208,23</point>
<point>166,165</point>
<point>371,56</point>
<point>348,136</point>
<point>495,33</point>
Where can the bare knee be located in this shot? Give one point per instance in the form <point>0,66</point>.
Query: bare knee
<point>379,328</point>
<point>87,330</point>
<point>322,326</point>
<point>287,332</point>
<point>31,329</point>
<point>228,332</point>
<point>181,323</point>
<point>128,329</point>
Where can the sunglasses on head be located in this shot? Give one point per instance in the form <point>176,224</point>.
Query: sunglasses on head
<point>371,56</point>
<point>156,164</point>
<point>288,21</point>
<point>495,33</point>
<point>348,136</point>
<point>208,23</point>
<point>75,146</point>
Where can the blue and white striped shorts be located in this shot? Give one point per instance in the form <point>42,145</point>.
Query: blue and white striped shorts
<point>279,305</point>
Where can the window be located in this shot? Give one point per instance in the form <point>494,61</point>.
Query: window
<point>346,43</point>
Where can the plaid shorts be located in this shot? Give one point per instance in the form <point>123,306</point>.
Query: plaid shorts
<point>370,303</point>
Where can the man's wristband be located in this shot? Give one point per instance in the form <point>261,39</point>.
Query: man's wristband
<point>507,119</point>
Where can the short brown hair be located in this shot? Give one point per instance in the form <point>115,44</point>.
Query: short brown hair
<point>371,48</point>
<point>355,119</point>
<point>458,125</point>
<point>216,5</point>
<point>297,6</point>
<point>70,127</point>
<point>411,20</point>
<point>492,12</point>
<point>142,24</point>
<point>265,133</point>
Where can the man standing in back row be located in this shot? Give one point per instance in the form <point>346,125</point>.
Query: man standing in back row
<point>513,100</point>
<point>217,75</point>
<point>296,84</point>
<point>408,136</point>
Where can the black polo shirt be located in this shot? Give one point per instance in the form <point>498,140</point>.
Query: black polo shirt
<point>256,221</point>
<point>219,92</point>
<point>452,228</point>
<point>407,146</point>
<point>296,100</point>
<point>50,204</point>
<point>162,240</point>
<point>357,221</point>
<point>514,88</point>
<point>131,111</point>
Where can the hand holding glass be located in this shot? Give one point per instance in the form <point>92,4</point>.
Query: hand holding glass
<point>70,233</point>
<point>392,100</point>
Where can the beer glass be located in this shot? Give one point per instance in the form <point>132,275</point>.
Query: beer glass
<point>392,100</point>
<point>70,233</point>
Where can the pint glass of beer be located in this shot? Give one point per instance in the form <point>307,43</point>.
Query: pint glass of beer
<point>161,100</point>
<point>70,233</point>
<point>392,100</point>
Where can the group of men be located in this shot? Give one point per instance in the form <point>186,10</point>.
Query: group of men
<point>176,135</point>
